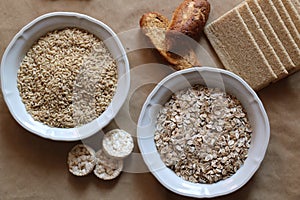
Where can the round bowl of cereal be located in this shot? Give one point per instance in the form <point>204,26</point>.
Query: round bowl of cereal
<point>203,132</point>
<point>65,76</point>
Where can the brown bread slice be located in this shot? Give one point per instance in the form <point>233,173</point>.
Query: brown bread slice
<point>238,51</point>
<point>271,35</point>
<point>287,20</point>
<point>293,8</point>
<point>155,25</point>
<point>294,11</point>
<point>281,30</point>
<point>262,41</point>
<point>296,4</point>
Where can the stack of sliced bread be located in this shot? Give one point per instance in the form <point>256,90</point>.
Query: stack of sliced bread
<point>259,40</point>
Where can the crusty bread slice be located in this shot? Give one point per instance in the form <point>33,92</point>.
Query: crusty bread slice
<point>280,29</point>
<point>262,41</point>
<point>238,50</point>
<point>271,35</point>
<point>155,25</point>
<point>287,21</point>
<point>294,11</point>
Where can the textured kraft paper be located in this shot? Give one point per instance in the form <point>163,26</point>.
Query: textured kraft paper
<point>34,168</point>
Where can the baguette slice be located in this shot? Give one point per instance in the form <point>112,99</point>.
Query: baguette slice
<point>293,9</point>
<point>238,51</point>
<point>271,35</point>
<point>281,30</point>
<point>262,40</point>
<point>287,21</point>
<point>154,26</point>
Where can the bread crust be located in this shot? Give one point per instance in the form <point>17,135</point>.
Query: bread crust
<point>154,26</point>
<point>188,22</point>
<point>190,17</point>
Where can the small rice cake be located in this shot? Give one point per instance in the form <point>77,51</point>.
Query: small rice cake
<point>107,168</point>
<point>117,144</point>
<point>81,160</point>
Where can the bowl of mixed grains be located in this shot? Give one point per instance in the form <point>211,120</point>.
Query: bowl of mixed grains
<point>65,76</point>
<point>203,132</point>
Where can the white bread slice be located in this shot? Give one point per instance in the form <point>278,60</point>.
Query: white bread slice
<point>155,25</point>
<point>281,30</point>
<point>271,35</point>
<point>294,11</point>
<point>238,51</point>
<point>262,41</point>
<point>287,20</point>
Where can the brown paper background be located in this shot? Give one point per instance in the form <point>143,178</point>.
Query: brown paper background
<point>34,168</point>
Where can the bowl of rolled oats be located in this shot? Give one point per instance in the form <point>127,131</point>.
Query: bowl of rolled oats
<point>203,132</point>
<point>65,76</point>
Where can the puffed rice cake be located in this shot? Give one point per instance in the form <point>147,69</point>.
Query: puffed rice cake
<point>81,160</point>
<point>117,144</point>
<point>107,168</point>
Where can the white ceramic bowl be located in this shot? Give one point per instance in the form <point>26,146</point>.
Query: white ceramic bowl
<point>21,43</point>
<point>210,77</point>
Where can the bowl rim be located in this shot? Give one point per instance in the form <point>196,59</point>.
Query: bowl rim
<point>157,172</point>
<point>126,76</point>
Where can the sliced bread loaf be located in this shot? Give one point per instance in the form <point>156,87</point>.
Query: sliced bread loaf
<point>238,50</point>
<point>271,35</point>
<point>281,30</point>
<point>296,4</point>
<point>293,9</point>
<point>287,20</point>
<point>155,25</point>
<point>262,41</point>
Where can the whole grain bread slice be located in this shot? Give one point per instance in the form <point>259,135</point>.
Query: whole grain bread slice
<point>238,51</point>
<point>271,35</point>
<point>154,26</point>
<point>296,4</point>
<point>262,41</point>
<point>280,29</point>
<point>293,9</point>
<point>287,20</point>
